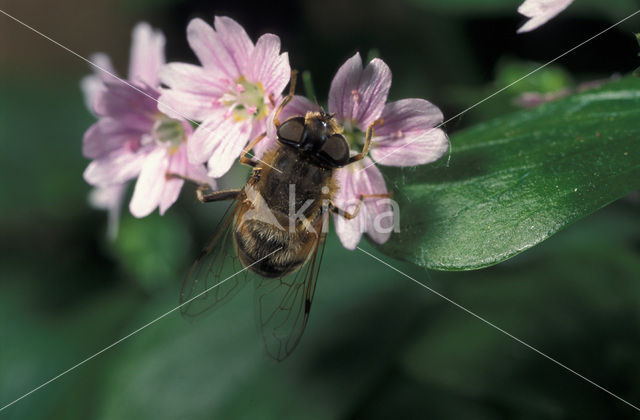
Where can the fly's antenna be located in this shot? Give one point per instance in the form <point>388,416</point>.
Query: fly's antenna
<point>324,114</point>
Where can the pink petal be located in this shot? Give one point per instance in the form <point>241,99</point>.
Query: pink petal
<point>375,216</point>
<point>407,137</point>
<point>349,231</point>
<point>147,55</point>
<point>210,50</point>
<point>199,173</point>
<point>92,87</point>
<point>378,210</point>
<point>116,168</point>
<point>219,141</point>
<point>232,138</point>
<point>193,91</point>
<point>343,84</point>
<point>180,104</point>
<point>235,39</point>
<point>200,37</point>
<point>268,66</point>
<point>101,139</point>
<point>177,165</point>
<point>540,12</point>
<point>151,183</point>
<point>109,198</point>
<point>359,95</point>
<point>120,99</point>
<point>192,79</point>
<point>127,123</point>
<point>409,115</point>
<point>413,150</point>
<point>106,197</point>
<point>103,68</point>
<point>206,136</point>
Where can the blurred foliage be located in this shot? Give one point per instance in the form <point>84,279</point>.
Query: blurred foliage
<point>153,249</point>
<point>513,78</point>
<point>377,346</point>
<point>613,8</point>
<point>522,77</point>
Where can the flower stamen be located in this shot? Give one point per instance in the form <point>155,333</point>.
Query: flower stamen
<point>168,133</point>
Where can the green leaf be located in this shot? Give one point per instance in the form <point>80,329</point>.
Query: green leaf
<point>585,278</point>
<point>512,182</point>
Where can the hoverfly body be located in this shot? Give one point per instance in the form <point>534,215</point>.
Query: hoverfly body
<point>275,228</point>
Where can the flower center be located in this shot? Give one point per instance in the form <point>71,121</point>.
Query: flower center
<point>168,133</point>
<point>355,137</point>
<point>244,100</point>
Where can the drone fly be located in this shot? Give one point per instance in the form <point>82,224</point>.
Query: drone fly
<point>275,228</point>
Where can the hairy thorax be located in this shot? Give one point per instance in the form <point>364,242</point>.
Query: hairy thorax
<point>283,213</point>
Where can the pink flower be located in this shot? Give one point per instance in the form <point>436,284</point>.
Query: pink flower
<point>406,137</point>
<point>540,12</point>
<point>231,93</point>
<point>131,137</point>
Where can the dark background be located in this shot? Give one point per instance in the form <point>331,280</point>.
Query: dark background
<point>377,345</point>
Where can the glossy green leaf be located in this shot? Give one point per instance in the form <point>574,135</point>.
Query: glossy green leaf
<point>512,182</point>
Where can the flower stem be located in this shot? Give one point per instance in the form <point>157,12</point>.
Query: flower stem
<point>307,82</point>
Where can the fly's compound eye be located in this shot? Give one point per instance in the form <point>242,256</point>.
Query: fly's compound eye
<point>291,130</point>
<point>335,150</point>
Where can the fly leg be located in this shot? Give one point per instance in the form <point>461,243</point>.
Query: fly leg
<point>205,197</point>
<point>367,142</point>
<point>287,99</point>
<point>361,198</point>
<point>243,156</point>
<point>217,195</point>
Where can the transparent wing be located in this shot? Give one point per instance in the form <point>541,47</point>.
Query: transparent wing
<point>282,305</point>
<point>217,274</point>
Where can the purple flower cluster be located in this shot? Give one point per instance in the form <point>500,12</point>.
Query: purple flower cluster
<point>132,138</point>
<point>144,128</point>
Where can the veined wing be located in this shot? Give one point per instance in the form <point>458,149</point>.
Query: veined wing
<point>217,274</point>
<point>282,305</point>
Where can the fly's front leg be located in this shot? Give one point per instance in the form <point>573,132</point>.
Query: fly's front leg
<point>361,198</point>
<point>202,187</point>
<point>344,213</point>
<point>216,195</point>
<point>287,99</point>
<point>243,156</point>
<point>367,141</point>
